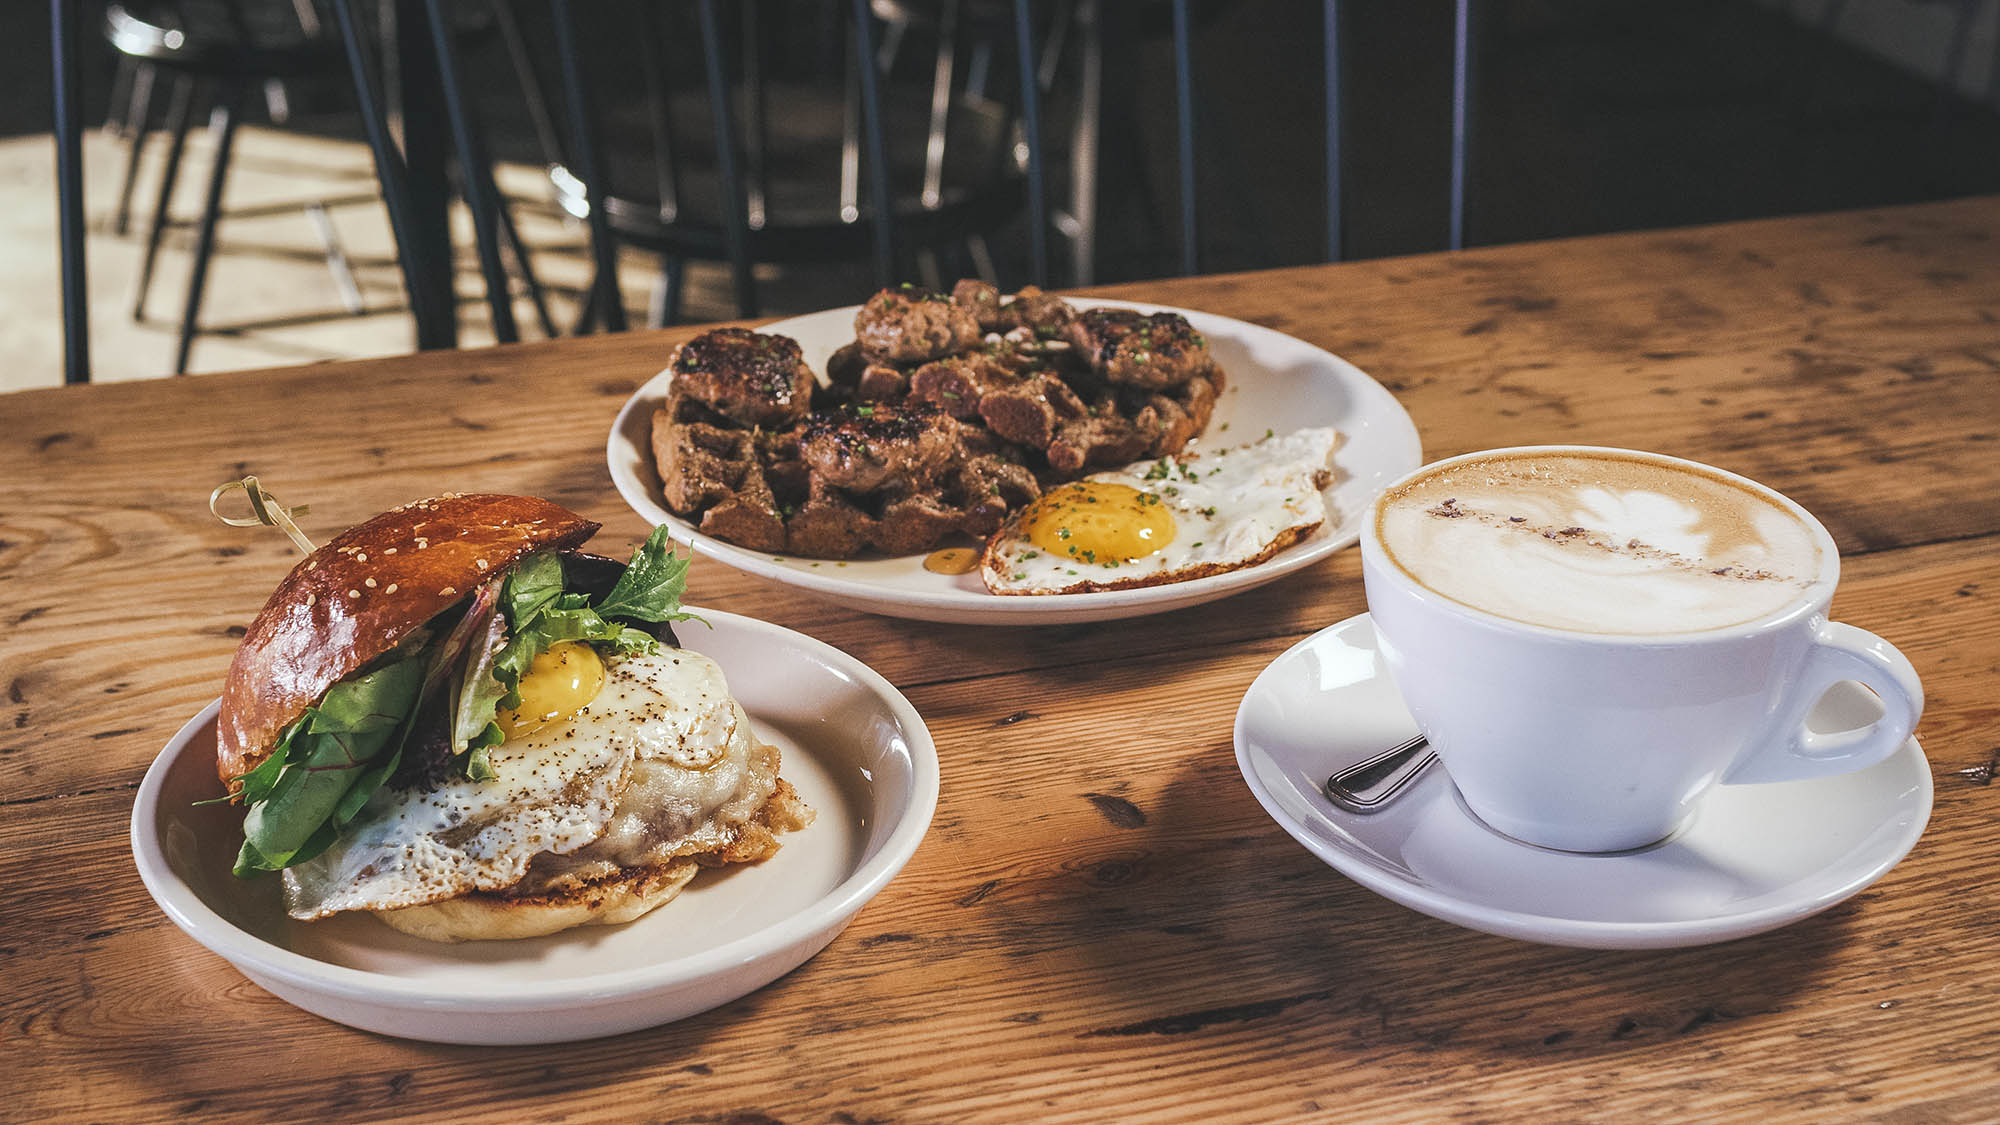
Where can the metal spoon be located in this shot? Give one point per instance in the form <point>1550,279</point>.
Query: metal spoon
<point>1367,786</point>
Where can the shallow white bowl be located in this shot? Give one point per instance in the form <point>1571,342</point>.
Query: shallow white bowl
<point>1276,382</point>
<point>856,750</point>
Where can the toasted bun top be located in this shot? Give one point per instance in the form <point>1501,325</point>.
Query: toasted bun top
<point>356,597</point>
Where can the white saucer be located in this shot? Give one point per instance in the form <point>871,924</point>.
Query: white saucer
<point>853,747</point>
<point>1276,382</point>
<point>1754,858</point>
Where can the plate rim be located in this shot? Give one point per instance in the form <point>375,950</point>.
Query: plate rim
<point>1549,929</point>
<point>255,955</point>
<point>986,608</point>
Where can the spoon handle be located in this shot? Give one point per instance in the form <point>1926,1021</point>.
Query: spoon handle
<point>1367,786</point>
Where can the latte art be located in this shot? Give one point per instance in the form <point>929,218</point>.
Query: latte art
<point>1599,543</point>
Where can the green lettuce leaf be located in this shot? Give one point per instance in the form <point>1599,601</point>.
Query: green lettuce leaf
<point>652,585</point>
<point>478,763</point>
<point>327,767</point>
<point>535,581</point>
<point>479,693</point>
<point>257,784</point>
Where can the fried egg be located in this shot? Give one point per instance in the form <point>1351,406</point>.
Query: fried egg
<point>585,735</point>
<point>1154,522</point>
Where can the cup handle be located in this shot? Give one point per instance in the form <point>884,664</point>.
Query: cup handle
<point>1840,652</point>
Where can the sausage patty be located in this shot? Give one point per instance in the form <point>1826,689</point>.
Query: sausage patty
<point>747,377</point>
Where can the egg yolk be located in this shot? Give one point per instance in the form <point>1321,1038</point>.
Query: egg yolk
<point>1098,522</point>
<point>556,685</point>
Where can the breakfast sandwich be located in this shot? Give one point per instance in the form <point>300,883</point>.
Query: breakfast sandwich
<point>450,717</point>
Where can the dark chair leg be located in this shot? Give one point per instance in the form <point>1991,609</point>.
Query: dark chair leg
<point>982,259</point>
<point>665,307</point>
<point>1462,75</point>
<point>1993,77</point>
<point>606,306</point>
<point>1184,121</point>
<point>1031,121</point>
<point>660,116</point>
<point>586,313</point>
<point>121,96</point>
<point>872,142</point>
<point>222,126</point>
<point>179,112</point>
<point>1084,142</point>
<point>1334,217</point>
<point>68,83</point>
<point>426,140</point>
<point>735,200</point>
<point>532,90</point>
<point>524,267</point>
<point>676,288</point>
<point>436,322</point>
<point>337,265</point>
<point>756,133</point>
<point>940,130</point>
<point>139,121</point>
<point>1954,57</point>
<point>475,177</point>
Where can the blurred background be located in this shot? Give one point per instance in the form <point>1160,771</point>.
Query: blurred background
<point>1584,117</point>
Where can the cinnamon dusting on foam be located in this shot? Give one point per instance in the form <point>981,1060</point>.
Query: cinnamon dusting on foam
<point>1600,542</point>
<point>1574,536</point>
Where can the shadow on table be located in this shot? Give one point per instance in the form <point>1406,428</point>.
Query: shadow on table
<point>1212,931</point>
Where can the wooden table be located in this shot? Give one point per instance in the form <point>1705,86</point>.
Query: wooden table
<point>1102,924</point>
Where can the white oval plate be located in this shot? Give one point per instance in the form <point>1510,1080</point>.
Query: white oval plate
<point>1276,382</point>
<point>1754,858</point>
<point>853,746</point>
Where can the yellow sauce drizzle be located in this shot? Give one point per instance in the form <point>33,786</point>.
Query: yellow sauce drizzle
<point>952,560</point>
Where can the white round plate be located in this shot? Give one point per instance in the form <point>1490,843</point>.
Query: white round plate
<point>1275,382</point>
<point>853,746</point>
<point>1756,857</point>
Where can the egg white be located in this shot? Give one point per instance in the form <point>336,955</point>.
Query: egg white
<point>1232,508</point>
<point>556,791</point>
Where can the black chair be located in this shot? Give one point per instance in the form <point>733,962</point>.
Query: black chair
<point>797,174</point>
<point>1080,218</point>
<point>222,51</point>
<point>420,68</point>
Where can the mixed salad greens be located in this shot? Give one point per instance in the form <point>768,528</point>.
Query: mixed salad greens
<point>425,710</point>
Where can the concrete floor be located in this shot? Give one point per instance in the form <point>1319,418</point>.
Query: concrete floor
<point>271,298</point>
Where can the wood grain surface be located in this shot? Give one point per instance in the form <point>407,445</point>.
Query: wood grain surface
<point>1102,924</point>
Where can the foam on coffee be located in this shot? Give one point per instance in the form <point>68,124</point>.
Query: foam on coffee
<point>1599,542</point>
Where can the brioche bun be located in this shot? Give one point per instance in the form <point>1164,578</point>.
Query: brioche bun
<point>357,596</point>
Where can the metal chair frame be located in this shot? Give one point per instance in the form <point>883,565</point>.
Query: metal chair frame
<point>229,71</point>
<point>747,231</point>
<point>68,83</point>
<point>1078,221</point>
<point>1084,159</point>
<point>232,72</point>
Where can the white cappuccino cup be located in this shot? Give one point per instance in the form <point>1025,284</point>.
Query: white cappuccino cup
<point>1591,638</point>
